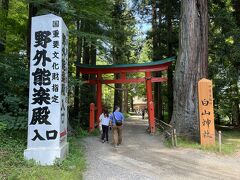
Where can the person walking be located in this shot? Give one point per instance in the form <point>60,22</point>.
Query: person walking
<point>105,121</point>
<point>117,119</point>
<point>143,113</point>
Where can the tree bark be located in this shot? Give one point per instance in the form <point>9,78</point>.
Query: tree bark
<point>32,11</point>
<point>216,104</point>
<point>93,60</point>
<point>131,102</point>
<point>236,13</point>
<point>118,94</point>
<point>156,56</point>
<point>3,33</point>
<point>170,54</point>
<point>235,89</point>
<point>86,56</point>
<point>192,65</point>
<point>77,90</point>
<point>117,52</point>
<point>235,105</point>
<point>125,98</point>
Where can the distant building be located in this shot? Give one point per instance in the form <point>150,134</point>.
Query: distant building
<point>139,103</point>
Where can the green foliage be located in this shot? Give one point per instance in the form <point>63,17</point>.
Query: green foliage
<point>224,60</point>
<point>2,127</point>
<point>113,27</point>
<point>13,92</point>
<point>230,143</point>
<point>13,165</point>
<point>14,122</point>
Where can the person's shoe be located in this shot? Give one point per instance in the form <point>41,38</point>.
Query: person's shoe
<point>102,141</point>
<point>115,146</point>
<point>107,141</point>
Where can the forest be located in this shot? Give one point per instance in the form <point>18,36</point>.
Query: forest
<point>122,32</point>
<point>204,40</point>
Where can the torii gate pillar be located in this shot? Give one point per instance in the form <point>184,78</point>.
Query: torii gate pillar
<point>149,67</point>
<point>150,102</point>
<point>99,97</point>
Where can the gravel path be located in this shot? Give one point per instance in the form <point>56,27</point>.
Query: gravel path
<point>142,156</point>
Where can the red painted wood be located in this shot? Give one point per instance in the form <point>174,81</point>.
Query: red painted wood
<point>99,97</point>
<point>133,80</point>
<point>151,119</point>
<point>150,101</point>
<point>123,70</point>
<point>161,67</point>
<point>91,117</point>
<point>123,75</point>
<point>158,79</point>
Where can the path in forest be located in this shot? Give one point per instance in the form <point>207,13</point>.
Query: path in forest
<point>142,156</point>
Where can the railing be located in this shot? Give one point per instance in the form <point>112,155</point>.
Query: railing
<point>168,130</point>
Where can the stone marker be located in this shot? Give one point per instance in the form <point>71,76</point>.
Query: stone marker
<point>48,90</point>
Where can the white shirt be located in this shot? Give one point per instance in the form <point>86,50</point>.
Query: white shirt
<point>104,120</point>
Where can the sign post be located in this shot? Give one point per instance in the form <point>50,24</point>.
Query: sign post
<point>48,90</point>
<point>206,114</point>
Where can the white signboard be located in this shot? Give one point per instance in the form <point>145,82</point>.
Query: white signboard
<point>48,90</point>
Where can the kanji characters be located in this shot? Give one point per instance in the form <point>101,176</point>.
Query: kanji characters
<point>40,115</point>
<point>55,76</point>
<point>42,38</point>
<point>41,56</point>
<point>205,102</point>
<point>55,99</point>
<point>50,135</point>
<point>41,96</point>
<point>37,136</point>
<point>206,122</point>
<point>41,77</point>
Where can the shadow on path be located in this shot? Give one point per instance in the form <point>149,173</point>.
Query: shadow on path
<point>142,156</point>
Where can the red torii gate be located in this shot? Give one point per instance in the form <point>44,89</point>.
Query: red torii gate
<point>123,69</point>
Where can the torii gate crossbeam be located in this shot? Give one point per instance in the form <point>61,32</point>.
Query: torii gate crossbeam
<point>123,69</point>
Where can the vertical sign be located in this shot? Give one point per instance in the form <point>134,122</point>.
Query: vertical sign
<point>48,89</point>
<point>206,114</point>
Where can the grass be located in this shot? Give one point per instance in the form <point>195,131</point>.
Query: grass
<point>126,115</point>
<point>230,143</point>
<point>14,166</point>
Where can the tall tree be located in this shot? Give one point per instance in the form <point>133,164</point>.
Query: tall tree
<point>78,61</point>
<point>122,21</point>
<point>224,65</point>
<point>235,86</point>
<point>169,18</point>
<point>156,39</point>
<point>192,65</point>
<point>3,33</point>
<point>32,11</point>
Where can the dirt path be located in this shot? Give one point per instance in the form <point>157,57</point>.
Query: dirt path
<point>142,156</point>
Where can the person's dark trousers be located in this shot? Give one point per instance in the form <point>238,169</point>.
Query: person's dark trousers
<point>105,132</point>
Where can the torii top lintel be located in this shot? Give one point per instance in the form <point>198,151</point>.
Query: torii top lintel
<point>123,68</point>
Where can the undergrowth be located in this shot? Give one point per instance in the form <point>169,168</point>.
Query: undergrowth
<point>14,166</point>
